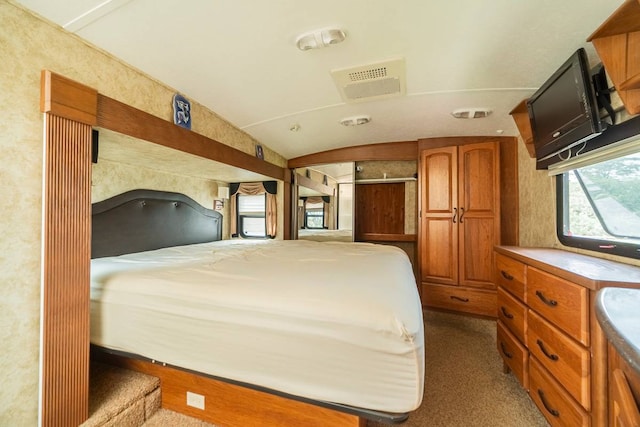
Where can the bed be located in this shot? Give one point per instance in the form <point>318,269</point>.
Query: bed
<point>329,325</point>
<point>324,235</point>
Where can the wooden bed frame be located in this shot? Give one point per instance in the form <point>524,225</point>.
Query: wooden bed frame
<point>141,220</point>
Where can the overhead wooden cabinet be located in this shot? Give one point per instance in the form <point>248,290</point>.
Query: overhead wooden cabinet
<point>459,226</point>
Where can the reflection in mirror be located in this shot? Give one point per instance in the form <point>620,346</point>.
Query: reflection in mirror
<point>325,202</point>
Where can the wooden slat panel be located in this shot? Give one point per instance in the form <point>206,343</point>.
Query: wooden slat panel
<point>66,263</point>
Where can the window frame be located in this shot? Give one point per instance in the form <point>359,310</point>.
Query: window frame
<point>628,250</point>
<point>307,213</point>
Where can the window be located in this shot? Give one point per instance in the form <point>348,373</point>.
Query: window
<point>251,216</point>
<point>314,215</point>
<point>599,206</point>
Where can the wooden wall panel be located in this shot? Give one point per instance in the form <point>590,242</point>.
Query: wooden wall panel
<point>379,209</point>
<point>66,265</point>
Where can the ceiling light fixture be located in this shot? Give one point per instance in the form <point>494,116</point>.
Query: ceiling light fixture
<point>355,120</point>
<point>320,38</point>
<point>471,113</point>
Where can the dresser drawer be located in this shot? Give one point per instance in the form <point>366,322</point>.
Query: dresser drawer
<point>514,354</point>
<point>512,313</point>
<point>552,400</point>
<point>460,299</point>
<point>510,274</point>
<point>562,303</point>
<point>564,358</point>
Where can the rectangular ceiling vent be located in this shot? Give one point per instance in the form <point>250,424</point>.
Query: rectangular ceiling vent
<point>372,81</point>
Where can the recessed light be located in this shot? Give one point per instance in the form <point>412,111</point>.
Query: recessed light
<point>471,113</point>
<point>355,120</point>
<point>320,38</point>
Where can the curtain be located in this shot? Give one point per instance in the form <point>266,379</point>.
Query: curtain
<point>254,189</point>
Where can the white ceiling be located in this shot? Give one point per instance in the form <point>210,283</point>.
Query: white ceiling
<point>238,58</point>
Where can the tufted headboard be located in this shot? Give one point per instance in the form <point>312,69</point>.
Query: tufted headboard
<point>143,220</point>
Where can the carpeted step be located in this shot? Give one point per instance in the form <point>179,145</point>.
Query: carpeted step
<point>121,397</point>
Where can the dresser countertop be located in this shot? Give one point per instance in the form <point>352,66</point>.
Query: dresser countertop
<point>618,312</point>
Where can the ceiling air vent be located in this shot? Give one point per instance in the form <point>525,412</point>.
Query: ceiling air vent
<point>372,81</point>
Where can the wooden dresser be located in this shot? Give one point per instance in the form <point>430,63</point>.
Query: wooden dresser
<point>547,331</point>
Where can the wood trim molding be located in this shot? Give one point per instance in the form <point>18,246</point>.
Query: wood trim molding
<point>66,98</point>
<point>119,117</point>
<point>314,185</point>
<point>448,141</point>
<point>405,150</point>
<point>65,276</point>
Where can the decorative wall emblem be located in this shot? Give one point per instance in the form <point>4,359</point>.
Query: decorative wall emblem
<point>181,111</point>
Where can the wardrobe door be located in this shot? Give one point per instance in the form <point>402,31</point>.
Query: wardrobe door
<point>439,216</point>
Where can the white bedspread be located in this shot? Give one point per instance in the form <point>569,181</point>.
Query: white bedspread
<point>331,321</point>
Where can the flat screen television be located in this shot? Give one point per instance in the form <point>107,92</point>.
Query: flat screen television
<point>564,111</point>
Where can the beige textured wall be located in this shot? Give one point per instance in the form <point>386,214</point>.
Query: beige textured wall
<point>537,203</point>
<point>28,45</point>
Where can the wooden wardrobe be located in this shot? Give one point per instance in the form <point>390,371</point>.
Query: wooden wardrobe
<point>459,217</point>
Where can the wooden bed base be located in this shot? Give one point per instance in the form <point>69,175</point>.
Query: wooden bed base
<point>229,404</point>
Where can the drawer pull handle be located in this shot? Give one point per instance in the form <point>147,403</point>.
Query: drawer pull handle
<point>506,313</point>
<point>553,357</point>
<point>504,351</point>
<point>552,411</point>
<point>459,299</point>
<point>506,275</point>
<point>549,302</point>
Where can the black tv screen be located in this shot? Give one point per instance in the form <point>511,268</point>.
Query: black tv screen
<point>564,111</point>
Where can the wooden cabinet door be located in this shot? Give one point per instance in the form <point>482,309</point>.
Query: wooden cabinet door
<point>479,212</point>
<point>439,215</point>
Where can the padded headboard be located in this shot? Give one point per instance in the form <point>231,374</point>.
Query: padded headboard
<point>143,220</point>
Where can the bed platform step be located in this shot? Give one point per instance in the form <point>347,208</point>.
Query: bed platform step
<point>230,405</point>
<point>121,397</point>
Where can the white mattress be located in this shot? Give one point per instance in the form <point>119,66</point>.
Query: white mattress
<point>332,321</point>
<point>323,235</point>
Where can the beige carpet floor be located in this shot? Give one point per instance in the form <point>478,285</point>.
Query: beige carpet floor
<point>464,382</point>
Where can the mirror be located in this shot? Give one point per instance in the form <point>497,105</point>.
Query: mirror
<point>324,202</point>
